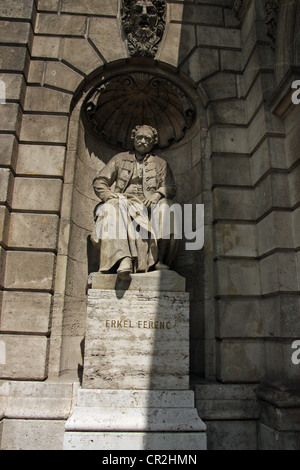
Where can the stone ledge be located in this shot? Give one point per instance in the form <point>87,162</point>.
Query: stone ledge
<point>137,441</point>
<point>36,400</point>
<point>135,419</point>
<point>162,281</point>
<point>136,398</point>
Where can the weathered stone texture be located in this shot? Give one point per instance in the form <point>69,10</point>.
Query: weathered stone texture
<point>61,25</point>
<point>41,129</point>
<point>240,361</point>
<point>146,325</point>
<point>25,357</point>
<point>29,270</point>
<point>44,160</point>
<point>33,194</point>
<point>21,434</point>
<point>16,9</point>
<point>25,312</point>
<point>33,231</point>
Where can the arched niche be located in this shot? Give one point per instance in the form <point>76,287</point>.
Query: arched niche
<point>90,151</point>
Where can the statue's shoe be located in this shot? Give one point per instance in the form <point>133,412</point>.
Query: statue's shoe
<point>161,266</point>
<point>125,269</point>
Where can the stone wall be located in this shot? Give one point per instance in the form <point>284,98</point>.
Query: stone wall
<point>241,160</point>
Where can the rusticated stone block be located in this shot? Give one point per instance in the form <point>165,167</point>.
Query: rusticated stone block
<point>201,63</point>
<point>178,42</point>
<point>229,139</point>
<point>206,36</point>
<point>196,14</point>
<point>14,32</point>
<point>61,76</point>
<point>280,367</point>
<point>36,72</point>
<point>105,34</point>
<point>33,194</point>
<point>8,150</point>
<point>42,129</point>
<point>296,225</point>
<point>46,47</point>
<point>48,5</point>
<point>279,273</point>
<point>34,231</point>
<point>240,361</point>
<point>238,240</point>
<point>4,216</point>
<point>44,99</point>
<point>234,204</point>
<point>91,7</point>
<point>12,58</point>
<point>2,265</point>
<point>238,277</point>
<point>6,178</point>
<point>234,114</point>
<point>27,312</point>
<point>231,171</point>
<point>16,9</point>
<point>24,357</point>
<point>33,434</point>
<point>272,439</point>
<point>61,25</point>
<point>14,86</point>
<point>29,270</point>
<point>275,231</point>
<point>10,117</point>
<point>242,319</point>
<point>220,86</point>
<point>46,160</point>
<point>86,61</point>
<point>232,435</point>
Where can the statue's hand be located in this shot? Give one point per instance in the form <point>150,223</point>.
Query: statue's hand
<point>154,199</point>
<point>112,196</point>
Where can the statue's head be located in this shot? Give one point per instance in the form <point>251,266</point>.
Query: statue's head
<point>144,17</point>
<point>143,20</point>
<point>144,138</point>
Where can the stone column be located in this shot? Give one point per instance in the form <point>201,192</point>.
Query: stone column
<point>135,391</point>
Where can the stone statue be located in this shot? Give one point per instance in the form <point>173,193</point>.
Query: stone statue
<point>135,189</point>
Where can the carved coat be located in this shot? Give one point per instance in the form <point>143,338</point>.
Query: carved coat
<point>120,176</point>
<point>157,176</point>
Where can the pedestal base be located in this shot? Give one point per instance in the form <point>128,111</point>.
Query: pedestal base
<point>135,420</point>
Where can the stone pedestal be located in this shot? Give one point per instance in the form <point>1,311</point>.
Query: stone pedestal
<point>135,391</point>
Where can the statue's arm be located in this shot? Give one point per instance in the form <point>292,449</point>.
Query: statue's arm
<point>105,179</point>
<point>166,182</point>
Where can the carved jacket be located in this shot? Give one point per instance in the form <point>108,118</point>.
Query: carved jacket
<point>157,176</point>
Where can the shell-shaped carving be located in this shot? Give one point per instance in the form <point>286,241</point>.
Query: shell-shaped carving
<point>124,102</point>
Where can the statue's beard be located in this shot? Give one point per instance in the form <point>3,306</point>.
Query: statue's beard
<point>143,30</point>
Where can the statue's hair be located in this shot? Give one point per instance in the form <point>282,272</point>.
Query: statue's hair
<point>154,132</point>
<point>160,6</point>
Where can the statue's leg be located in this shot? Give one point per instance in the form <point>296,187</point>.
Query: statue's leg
<point>113,247</point>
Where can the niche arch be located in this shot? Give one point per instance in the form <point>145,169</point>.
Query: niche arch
<point>88,152</point>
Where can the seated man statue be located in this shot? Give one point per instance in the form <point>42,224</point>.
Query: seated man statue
<point>135,189</point>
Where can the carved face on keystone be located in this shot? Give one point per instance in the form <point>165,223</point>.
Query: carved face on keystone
<point>144,17</point>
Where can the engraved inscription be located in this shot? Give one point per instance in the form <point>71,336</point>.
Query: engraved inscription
<point>141,324</point>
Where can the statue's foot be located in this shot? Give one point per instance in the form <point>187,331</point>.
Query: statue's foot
<point>125,269</point>
<point>161,266</point>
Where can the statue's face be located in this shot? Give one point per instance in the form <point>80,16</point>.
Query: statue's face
<point>144,140</point>
<point>144,17</point>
